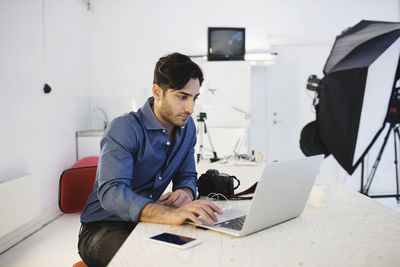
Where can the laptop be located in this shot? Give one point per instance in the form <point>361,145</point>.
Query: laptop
<point>281,195</point>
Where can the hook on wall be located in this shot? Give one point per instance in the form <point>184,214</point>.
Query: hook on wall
<point>46,88</point>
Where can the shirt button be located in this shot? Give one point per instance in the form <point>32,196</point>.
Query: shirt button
<point>151,196</point>
<point>160,178</point>
<point>168,143</point>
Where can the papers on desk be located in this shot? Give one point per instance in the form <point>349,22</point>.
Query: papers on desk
<point>244,163</point>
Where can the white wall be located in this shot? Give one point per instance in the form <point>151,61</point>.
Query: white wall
<point>90,57</point>
<point>129,36</point>
<point>38,130</point>
<point>302,32</point>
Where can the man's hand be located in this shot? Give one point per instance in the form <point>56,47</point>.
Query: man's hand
<point>197,208</point>
<point>157,213</point>
<point>177,198</point>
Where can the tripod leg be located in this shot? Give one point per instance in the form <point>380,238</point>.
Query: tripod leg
<point>362,177</point>
<point>200,154</point>
<point>378,159</point>
<point>215,158</point>
<point>396,131</point>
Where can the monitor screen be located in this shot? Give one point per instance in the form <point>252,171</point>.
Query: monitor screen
<point>226,43</point>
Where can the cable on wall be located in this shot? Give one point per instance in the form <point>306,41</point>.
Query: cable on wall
<point>46,87</point>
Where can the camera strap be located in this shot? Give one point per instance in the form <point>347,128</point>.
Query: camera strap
<point>248,191</point>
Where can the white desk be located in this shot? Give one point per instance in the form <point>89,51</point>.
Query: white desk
<point>350,230</point>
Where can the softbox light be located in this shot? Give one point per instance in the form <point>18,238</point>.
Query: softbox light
<point>354,94</point>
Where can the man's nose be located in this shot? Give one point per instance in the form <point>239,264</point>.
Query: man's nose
<point>189,106</point>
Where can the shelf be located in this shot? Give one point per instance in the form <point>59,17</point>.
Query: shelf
<point>254,58</point>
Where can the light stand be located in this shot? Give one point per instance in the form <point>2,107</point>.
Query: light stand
<point>361,74</point>
<point>243,137</point>
<point>393,118</point>
<point>364,188</point>
<point>202,128</point>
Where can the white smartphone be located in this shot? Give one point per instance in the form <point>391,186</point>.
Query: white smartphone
<point>176,241</point>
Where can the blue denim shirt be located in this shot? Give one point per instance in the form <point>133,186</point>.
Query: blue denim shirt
<point>137,162</point>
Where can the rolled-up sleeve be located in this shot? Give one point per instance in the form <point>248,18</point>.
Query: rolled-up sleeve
<point>116,164</point>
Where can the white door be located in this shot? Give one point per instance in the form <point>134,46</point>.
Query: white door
<point>289,103</point>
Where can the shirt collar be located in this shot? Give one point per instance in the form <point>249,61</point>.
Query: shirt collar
<point>150,120</point>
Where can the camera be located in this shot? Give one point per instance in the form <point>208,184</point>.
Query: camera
<point>201,116</point>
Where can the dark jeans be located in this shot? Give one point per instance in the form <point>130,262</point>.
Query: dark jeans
<point>99,241</point>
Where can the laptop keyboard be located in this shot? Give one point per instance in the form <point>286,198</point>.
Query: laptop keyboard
<point>235,224</point>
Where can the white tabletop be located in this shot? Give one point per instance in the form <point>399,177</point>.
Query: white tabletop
<point>339,227</point>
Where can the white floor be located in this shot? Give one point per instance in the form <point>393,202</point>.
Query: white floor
<point>390,202</point>
<point>56,243</point>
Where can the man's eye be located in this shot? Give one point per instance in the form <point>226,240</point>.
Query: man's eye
<point>182,97</point>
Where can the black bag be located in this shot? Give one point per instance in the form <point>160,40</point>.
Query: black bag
<point>214,182</point>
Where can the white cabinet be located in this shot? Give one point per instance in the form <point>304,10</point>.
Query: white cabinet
<point>88,143</point>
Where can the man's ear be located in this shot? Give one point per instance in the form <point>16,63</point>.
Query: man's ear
<point>157,92</point>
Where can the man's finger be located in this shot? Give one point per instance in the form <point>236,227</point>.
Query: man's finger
<point>171,199</point>
<point>213,207</point>
<point>210,213</point>
<point>200,212</point>
<point>177,202</point>
<point>182,200</point>
<point>164,197</point>
<point>194,219</point>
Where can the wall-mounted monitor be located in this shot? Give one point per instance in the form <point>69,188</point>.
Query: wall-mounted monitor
<point>226,43</point>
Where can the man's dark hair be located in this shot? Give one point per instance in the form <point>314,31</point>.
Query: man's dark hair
<point>175,70</point>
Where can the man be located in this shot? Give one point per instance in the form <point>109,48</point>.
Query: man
<point>141,152</point>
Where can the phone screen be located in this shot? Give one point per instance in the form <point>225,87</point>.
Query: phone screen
<point>174,239</point>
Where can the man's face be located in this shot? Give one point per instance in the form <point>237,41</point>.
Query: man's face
<point>174,107</point>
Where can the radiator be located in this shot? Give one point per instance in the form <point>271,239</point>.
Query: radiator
<point>19,203</point>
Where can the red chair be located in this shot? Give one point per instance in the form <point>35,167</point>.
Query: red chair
<point>79,264</point>
<point>76,185</point>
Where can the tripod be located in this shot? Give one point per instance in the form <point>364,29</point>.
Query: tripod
<point>203,129</point>
<point>364,188</point>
